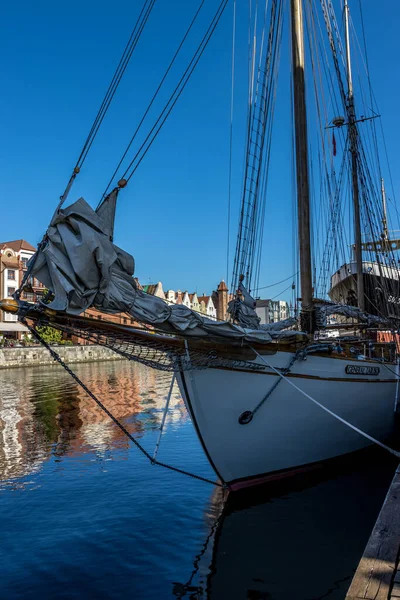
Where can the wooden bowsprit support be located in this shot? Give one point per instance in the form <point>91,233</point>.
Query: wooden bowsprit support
<point>377,577</point>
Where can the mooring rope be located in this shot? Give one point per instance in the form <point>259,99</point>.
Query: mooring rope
<point>356,429</point>
<point>248,415</point>
<point>58,358</point>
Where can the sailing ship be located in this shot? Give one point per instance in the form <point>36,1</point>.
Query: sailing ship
<point>265,400</point>
<point>372,285</point>
<point>380,279</point>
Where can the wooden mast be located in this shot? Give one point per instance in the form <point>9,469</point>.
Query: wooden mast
<point>354,168</point>
<point>303,188</point>
<point>384,209</point>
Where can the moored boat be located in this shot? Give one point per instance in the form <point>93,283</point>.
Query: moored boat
<point>265,399</point>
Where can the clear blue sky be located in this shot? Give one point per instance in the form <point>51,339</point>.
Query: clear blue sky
<point>56,62</point>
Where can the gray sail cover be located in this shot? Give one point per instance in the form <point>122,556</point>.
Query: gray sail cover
<point>242,309</point>
<point>81,265</point>
<point>350,312</point>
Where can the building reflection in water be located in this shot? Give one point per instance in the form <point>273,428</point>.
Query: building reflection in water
<point>44,412</point>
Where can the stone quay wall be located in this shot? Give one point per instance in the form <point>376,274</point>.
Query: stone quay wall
<point>33,356</point>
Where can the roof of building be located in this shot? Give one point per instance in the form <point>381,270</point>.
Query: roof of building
<point>150,288</point>
<point>262,303</point>
<point>222,287</point>
<point>204,299</point>
<point>18,245</point>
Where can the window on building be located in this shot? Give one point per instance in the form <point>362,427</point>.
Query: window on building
<point>11,274</point>
<point>24,261</point>
<point>29,297</point>
<point>10,291</point>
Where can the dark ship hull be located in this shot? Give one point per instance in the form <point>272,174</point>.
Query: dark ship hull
<point>381,287</point>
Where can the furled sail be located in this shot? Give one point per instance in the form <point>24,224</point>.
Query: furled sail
<point>242,309</point>
<point>82,266</point>
<point>350,312</point>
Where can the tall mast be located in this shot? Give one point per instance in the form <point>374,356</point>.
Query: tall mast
<point>354,168</point>
<point>384,219</point>
<point>303,188</point>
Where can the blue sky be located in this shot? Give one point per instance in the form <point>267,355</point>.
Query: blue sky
<point>56,62</point>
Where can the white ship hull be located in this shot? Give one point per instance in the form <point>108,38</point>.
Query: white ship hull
<point>288,431</point>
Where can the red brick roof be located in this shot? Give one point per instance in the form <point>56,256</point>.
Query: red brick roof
<point>222,287</point>
<point>18,245</point>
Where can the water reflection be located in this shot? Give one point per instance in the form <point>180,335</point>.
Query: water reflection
<point>302,538</point>
<point>126,529</point>
<point>44,412</point>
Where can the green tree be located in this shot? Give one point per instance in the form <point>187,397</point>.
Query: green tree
<point>50,335</point>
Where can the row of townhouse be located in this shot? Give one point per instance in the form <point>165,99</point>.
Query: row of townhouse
<point>214,306</point>
<point>15,254</point>
<point>272,311</point>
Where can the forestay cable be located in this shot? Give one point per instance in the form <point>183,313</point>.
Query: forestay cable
<point>154,97</point>
<point>231,137</point>
<point>110,93</point>
<point>140,154</point>
<point>153,461</point>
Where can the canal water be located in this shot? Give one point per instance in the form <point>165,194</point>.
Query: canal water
<point>84,515</point>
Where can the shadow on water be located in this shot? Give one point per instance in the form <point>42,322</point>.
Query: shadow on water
<point>83,502</point>
<point>296,539</point>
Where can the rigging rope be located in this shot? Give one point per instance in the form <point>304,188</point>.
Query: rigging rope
<point>259,130</point>
<point>145,146</point>
<point>327,410</point>
<point>153,98</point>
<point>282,292</point>
<point>153,461</point>
<point>368,176</point>
<point>277,283</point>
<point>231,137</point>
<point>110,93</point>
<point>111,90</point>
